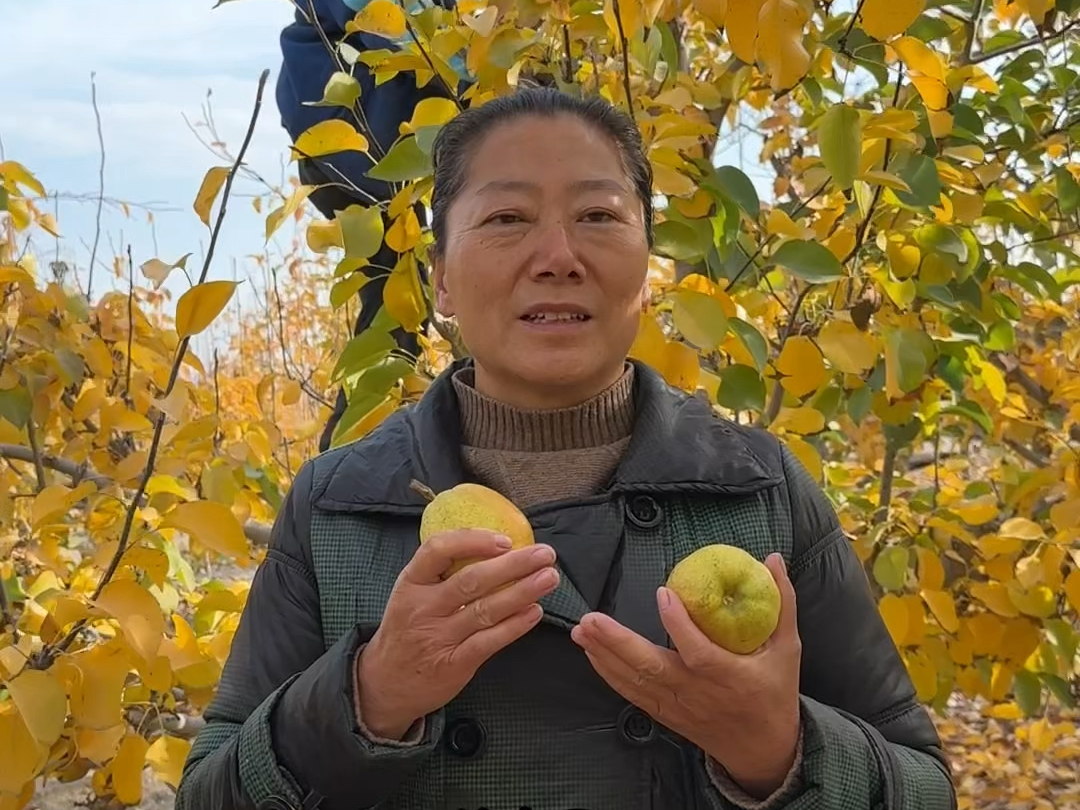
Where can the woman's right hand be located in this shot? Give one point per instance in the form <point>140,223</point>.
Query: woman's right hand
<point>435,632</point>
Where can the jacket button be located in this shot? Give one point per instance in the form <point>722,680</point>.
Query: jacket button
<point>275,803</point>
<point>465,737</point>
<point>644,512</point>
<point>636,727</point>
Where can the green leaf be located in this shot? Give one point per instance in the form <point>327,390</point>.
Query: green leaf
<point>1028,692</point>
<point>425,137</point>
<point>810,261</point>
<point>345,289</point>
<point>1059,688</point>
<point>740,188</point>
<point>361,230</point>
<point>1002,337</point>
<point>908,354</point>
<point>16,405</point>
<point>700,319</point>
<point>367,348</point>
<point>973,411</point>
<point>943,239</point>
<point>1068,190</point>
<point>405,161</point>
<point>921,175</point>
<point>891,567</point>
<point>678,241</point>
<point>342,90</point>
<point>840,143</point>
<point>752,339</point>
<point>1002,39</point>
<point>741,389</point>
<point>1062,636</point>
<point>859,402</point>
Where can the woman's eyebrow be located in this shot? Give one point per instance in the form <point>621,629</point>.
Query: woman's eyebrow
<point>592,184</point>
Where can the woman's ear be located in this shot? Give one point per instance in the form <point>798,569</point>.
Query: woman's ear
<point>646,295</point>
<point>443,304</point>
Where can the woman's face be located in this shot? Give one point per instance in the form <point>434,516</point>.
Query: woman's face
<point>544,262</point>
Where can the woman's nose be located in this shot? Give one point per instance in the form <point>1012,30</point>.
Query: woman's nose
<point>555,254</point>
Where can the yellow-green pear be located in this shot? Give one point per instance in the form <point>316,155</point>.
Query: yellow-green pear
<point>730,596</point>
<point>472,506</point>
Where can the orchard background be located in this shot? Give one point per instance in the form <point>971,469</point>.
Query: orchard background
<point>903,309</point>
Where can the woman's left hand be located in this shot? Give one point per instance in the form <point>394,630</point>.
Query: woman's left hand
<point>743,710</point>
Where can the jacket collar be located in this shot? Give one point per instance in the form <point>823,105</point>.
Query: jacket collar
<point>680,445</point>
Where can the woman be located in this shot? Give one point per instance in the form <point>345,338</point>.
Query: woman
<point>360,677</point>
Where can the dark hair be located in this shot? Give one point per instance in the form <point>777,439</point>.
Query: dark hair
<point>455,142</point>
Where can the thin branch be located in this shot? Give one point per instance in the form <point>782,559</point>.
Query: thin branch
<point>35,449</point>
<point>972,32</point>
<point>1027,453</point>
<point>101,188</point>
<point>888,470</point>
<point>777,398</point>
<point>568,59</point>
<point>76,472</point>
<point>6,616</point>
<point>48,655</point>
<point>131,322</point>
<point>847,31</point>
<point>452,92</point>
<point>1027,43</point>
<point>624,47</point>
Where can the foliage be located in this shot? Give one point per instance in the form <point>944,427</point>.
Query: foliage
<point>902,310</point>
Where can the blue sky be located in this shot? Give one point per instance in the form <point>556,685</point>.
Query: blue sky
<point>154,62</point>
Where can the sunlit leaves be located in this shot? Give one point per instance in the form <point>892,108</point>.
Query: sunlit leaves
<point>403,297</point>
<point>138,614</point>
<point>211,524</point>
<point>290,207</point>
<point>700,318</point>
<point>382,17</point>
<point>199,306</point>
<point>211,186</point>
<point>883,19</point>
<point>327,138</point>
<point>840,141</point>
<point>342,90</point>
<point>780,42</point>
<point>404,161</point>
<point>808,260</point>
<point>847,348</point>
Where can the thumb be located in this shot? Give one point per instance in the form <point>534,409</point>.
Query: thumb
<point>787,628</point>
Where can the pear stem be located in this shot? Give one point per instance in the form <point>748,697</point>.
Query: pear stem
<point>423,489</point>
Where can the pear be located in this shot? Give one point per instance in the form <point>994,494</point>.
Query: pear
<point>472,506</point>
<point>730,596</point>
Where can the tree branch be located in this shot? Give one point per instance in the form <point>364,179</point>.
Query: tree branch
<point>847,31</point>
<point>101,189</point>
<point>624,47</point>
<point>131,323</point>
<point>972,32</point>
<point>35,451</point>
<point>888,470</point>
<point>777,397</point>
<point>1027,43</point>
<point>49,653</point>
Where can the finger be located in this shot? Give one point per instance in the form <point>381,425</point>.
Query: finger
<point>482,578</point>
<point>437,554</point>
<point>489,610</point>
<point>479,647</point>
<point>630,684</point>
<point>787,628</point>
<point>695,648</point>
<point>598,632</point>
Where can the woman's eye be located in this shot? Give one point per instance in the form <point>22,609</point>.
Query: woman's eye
<point>505,218</point>
<point>599,216</point>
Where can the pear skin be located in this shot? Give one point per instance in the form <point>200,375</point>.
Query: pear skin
<point>730,595</point>
<point>473,506</point>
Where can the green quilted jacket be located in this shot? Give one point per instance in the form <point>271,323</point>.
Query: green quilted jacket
<point>537,729</point>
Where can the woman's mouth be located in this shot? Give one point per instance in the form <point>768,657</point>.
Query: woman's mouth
<point>554,318</point>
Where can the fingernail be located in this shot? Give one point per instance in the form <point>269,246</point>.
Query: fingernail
<point>503,542</point>
<point>663,598</point>
<point>545,553</point>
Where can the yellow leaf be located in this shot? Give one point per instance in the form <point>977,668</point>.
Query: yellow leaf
<point>680,365</point>
<point>53,501</point>
<point>807,454</point>
<point>13,274</point>
<point>208,191</point>
<point>41,701</point>
<point>917,56</point>
<point>403,297</point>
<point>1066,515</point>
<point>99,675</point>
<point>328,137</point>
<point>321,236</point>
<point>976,512</point>
<point>1041,735</point>
<point>941,126</point>
<point>996,597</point>
<point>887,179</point>
<point>1039,601</point>
<point>1020,639</point>
<point>883,19</point>
<point>280,214</point>
<point>99,746</point>
<point>166,756</point>
<point>801,366</point>
<point>904,257</point>
<point>22,756</point>
<point>804,420</point>
<point>138,614</point>
<point>200,305</point>
<point>991,376</point>
<point>290,392</point>
<point>923,675</point>
<point>430,112</point>
<point>382,17</point>
<point>780,42</point>
<point>404,233</point>
<point>944,609</point>
<point>629,16</point>
<point>846,348</point>
<point>741,24</point>
<point>931,571</point>
<point>1022,529</point>
<point>715,11</point>
<point>17,173</point>
<point>127,767</point>
<point>779,223</point>
<point>212,524</point>
<point>895,615</point>
<point>649,343</point>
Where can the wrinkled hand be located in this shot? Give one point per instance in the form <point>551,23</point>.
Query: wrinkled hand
<point>742,710</point>
<point>436,630</point>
